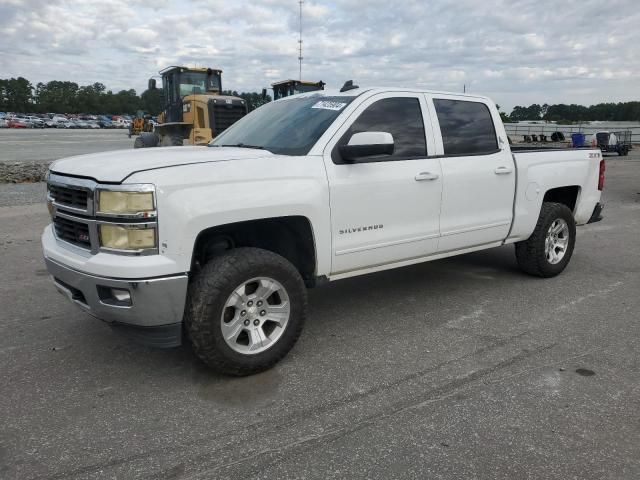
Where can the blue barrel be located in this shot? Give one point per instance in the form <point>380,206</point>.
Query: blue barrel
<point>578,139</point>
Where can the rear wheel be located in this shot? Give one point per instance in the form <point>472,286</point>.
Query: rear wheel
<point>245,311</point>
<point>548,251</point>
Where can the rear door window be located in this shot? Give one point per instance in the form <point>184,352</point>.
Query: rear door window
<point>467,127</point>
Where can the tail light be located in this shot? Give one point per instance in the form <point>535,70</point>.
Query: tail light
<point>601,176</point>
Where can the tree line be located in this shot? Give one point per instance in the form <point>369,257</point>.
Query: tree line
<point>19,95</point>
<point>567,114</point>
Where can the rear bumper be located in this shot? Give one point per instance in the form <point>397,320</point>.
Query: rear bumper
<point>596,216</point>
<point>152,313</point>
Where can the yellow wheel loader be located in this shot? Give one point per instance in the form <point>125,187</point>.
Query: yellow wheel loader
<point>194,110</point>
<point>286,88</point>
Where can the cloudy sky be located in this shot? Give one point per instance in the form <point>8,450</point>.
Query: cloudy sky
<point>516,51</point>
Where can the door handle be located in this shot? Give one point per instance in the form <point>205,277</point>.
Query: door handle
<point>502,170</point>
<point>422,176</point>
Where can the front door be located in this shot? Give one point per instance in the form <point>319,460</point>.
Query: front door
<point>384,209</point>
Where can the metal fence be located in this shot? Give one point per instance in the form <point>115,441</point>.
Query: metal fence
<point>515,129</point>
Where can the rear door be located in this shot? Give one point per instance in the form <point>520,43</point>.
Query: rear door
<point>385,209</point>
<point>479,173</point>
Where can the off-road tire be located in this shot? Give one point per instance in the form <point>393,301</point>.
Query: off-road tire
<point>211,288</point>
<point>531,255</point>
<point>146,140</point>
<point>171,140</point>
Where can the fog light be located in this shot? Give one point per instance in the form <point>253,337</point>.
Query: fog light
<point>116,297</point>
<point>121,295</point>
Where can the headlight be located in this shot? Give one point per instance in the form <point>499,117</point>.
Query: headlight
<point>129,237</point>
<point>126,203</point>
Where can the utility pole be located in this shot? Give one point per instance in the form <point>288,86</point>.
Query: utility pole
<point>300,41</point>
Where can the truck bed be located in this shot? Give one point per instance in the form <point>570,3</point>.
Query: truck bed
<point>541,170</point>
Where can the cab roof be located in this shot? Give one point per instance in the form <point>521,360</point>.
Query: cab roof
<point>355,92</point>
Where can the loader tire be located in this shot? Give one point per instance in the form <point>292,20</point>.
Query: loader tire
<point>171,140</point>
<point>146,140</point>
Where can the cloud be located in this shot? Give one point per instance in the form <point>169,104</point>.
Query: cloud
<point>517,51</point>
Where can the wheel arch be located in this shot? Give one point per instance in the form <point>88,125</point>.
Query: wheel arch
<point>292,237</point>
<point>566,195</point>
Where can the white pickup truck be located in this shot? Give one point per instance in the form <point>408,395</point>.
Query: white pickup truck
<point>218,244</point>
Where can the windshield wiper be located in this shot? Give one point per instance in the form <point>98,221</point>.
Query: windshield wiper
<point>244,145</point>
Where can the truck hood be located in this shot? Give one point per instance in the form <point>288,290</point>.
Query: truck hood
<point>116,166</point>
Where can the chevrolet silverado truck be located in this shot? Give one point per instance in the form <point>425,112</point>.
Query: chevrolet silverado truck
<point>217,245</point>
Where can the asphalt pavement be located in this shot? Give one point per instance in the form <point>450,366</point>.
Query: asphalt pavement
<point>45,145</point>
<point>459,368</point>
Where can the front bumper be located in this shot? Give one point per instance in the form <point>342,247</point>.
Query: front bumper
<point>153,312</point>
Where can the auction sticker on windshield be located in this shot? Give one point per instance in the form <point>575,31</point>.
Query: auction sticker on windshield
<point>327,105</point>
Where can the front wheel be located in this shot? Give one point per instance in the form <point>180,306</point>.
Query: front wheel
<point>146,140</point>
<point>546,253</point>
<point>246,310</point>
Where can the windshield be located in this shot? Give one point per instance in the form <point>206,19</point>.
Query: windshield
<point>287,127</point>
<point>194,83</point>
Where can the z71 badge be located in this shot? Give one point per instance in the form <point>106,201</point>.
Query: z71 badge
<point>360,229</point>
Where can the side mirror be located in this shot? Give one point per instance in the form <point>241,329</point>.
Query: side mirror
<point>367,144</point>
<point>152,84</point>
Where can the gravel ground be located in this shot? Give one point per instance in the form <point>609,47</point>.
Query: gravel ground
<point>459,368</point>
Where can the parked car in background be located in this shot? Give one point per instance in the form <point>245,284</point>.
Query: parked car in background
<point>65,124</point>
<point>18,123</point>
<point>104,121</point>
<point>93,124</point>
<point>35,122</point>
<point>121,122</point>
<point>4,123</point>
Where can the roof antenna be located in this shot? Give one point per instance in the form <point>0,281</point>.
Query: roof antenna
<point>300,41</point>
<point>348,85</point>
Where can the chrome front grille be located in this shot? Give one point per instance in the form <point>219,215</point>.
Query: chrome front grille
<point>71,194</point>
<point>72,231</point>
<point>69,197</point>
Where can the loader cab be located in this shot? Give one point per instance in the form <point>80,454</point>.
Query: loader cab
<point>287,88</point>
<point>194,109</point>
<point>179,82</point>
